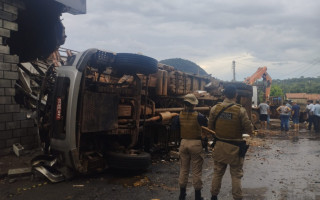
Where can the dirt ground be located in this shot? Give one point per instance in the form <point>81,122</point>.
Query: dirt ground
<point>278,166</point>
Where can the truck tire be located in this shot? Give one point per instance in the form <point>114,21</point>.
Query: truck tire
<point>127,63</point>
<point>243,89</point>
<point>123,161</point>
<point>239,85</point>
<point>244,93</point>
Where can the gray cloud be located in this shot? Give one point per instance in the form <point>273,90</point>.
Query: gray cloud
<point>280,34</point>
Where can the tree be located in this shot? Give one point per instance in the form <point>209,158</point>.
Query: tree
<point>276,91</point>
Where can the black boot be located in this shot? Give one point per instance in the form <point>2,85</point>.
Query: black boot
<point>183,194</point>
<point>214,197</point>
<point>198,195</point>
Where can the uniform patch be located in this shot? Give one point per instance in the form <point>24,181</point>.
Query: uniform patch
<point>226,116</point>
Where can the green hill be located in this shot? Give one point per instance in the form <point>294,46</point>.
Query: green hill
<point>299,85</point>
<point>185,66</point>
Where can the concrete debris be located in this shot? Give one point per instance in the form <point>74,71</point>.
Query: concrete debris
<point>19,172</point>
<point>18,149</point>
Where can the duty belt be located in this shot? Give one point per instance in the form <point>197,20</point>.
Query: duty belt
<point>243,146</point>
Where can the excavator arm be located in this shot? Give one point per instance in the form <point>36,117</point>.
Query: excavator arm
<point>261,73</point>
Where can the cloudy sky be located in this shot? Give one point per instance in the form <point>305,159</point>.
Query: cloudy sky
<point>283,35</point>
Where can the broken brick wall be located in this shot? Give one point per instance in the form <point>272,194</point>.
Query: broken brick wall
<point>15,127</point>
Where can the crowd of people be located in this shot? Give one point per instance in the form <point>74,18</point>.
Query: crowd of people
<point>291,110</point>
<point>313,111</point>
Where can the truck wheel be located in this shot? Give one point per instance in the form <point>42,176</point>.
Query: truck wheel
<point>244,93</point>
<point>127,63</point>
<point>123,161</point>
<point>239,85</point>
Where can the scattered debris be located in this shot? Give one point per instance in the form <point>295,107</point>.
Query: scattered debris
<point>49,172</point>
<point>12,180</point>
<point>141,182</point>
<point>47,160</point>
<point>18,149</point>
<point>19,172</point>
<point>174,154</point>
<point>78,185</point>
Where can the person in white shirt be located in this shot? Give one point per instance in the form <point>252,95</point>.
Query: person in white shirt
<point>310,114</point>
<point>284,116</point>
<point>316,116</point>
<point>264,110</point>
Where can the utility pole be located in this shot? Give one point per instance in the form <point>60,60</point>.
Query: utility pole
<point>234,70</point>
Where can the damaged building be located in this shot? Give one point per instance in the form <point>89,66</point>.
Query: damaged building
<point>30,30</point>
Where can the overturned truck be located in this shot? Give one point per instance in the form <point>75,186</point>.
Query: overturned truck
<point>107,109</point>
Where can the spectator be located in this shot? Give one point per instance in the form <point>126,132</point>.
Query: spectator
<point>289,113</point>
<point>295,115</point>
<point>284,112</point>
<point>310,114</point>
<point>316,116</point>
<point>264,110</point>
<point>268,119</point>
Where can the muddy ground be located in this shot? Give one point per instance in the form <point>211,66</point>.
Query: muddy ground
<point>277,166</point>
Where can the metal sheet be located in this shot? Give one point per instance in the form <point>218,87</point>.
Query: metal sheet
<point>53,175</point>
<point>99,112</point>
<point>74,6</point>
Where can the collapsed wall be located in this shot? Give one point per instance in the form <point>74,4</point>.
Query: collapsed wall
<point>15,127</point>
<point>29,30</point>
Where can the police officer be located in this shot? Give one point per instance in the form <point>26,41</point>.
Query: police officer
<point>189,124</point>
<point>229,120</point>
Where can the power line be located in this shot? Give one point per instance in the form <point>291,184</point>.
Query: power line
<point>310,71</point>
<point>307,70</point>
<point>300,70</point>
<point>303,67</point>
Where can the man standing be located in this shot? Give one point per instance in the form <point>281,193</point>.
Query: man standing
<point>288,104</point>
<point>264,110</point>
<point>284,112</point>
<point>268,118</point>
<point>229,120</point>
<point>310,114</point>
<point>316,116</point>
<point>189,123</point>
<point>295,115</point>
